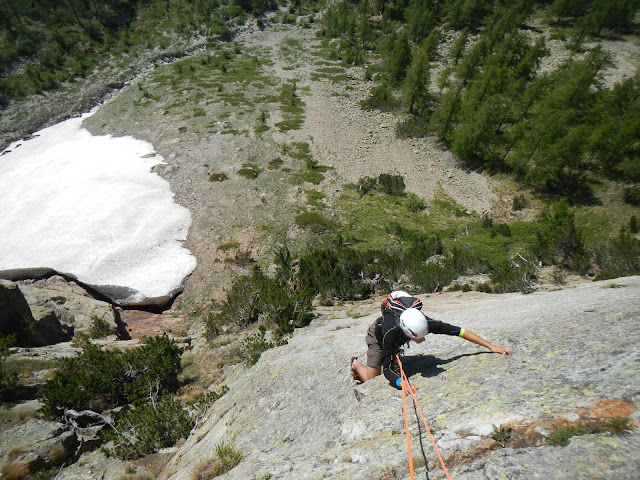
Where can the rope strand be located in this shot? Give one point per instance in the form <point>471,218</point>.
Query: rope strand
<point>405,381</point>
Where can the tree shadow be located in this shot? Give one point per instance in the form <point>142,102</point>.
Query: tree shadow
<point>428,365</point>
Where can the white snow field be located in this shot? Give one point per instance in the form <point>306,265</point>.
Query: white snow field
<point>90,207</point>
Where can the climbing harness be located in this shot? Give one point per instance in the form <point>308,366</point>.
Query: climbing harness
<point>405,383</point>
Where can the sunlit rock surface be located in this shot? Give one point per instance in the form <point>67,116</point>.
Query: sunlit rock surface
<point>297,414</point>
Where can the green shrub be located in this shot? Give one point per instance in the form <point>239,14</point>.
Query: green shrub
<point>314,221</point>
<point>151,424</point>
<point>226,457</point>
<point>333,272</point>
<point>366,185</point>
<point>559,240</point>
<point>614,425</point>
<point>275,163</point>
<point>413,127</point>
<point>415,204</point>
<point>253,346</point>
<point>632,194</point>
<point>514,275</point>
<point>484,287</point>
<point>228,246</point>
<point>100,380</point>
<point>391,184</point>
<point>101,328</point>
<point>257,296</point>
<point>249,171</point>
<point>7,377</point>
<point>218,177</point>
<point>520,202</point>
<point>620,256</point>
<point>633,224</point>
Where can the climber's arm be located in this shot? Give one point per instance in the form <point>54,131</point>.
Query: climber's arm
<point>473,338</point>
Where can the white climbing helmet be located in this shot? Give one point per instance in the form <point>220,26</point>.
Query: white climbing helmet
<point>413,323</point>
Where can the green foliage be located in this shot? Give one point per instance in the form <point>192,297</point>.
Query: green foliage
<point>7,377</point>
<point>66,40</point>
<point>226,457</point>
<point>99,380</point>
<point>385,183</point>
<point>519,202</point>
<point>249,171</point>
<point>501,434</point>
<point>314,222</point>
<point>151,424</point>
<point>292,107</point>
<point>634,227</point>
<point>275,163</point>
<point>560,242</point>
<point>391,184</point>
<point>632,194</point>
<point>615,425</point>
<point>101,328</point>
<point>257,297</point>
<point>218,177</point>
<point>619,256</point>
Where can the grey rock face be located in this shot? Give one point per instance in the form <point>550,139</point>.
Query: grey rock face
<point>14,310</point>
<point>297,413</point>
<point>37,444</point>
<point>50,311</point>
<point>56,299</point>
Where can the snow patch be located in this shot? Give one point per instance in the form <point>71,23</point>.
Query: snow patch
<point>89,206</point>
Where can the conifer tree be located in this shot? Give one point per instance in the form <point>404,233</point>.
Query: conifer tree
<point>399,59</point>
<point>416,83</point>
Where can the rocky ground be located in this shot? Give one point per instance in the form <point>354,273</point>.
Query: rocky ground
<point>574,354</point>
<point>298,414</point>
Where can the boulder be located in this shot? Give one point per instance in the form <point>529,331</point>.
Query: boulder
<point>298,413</point>
<point>97,465</point>
<point>51,311</point>
<point>37,445</point>
<point>56,301</point>
<point>15,315</point>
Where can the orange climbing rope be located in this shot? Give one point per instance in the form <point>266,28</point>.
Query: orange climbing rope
<point>405,384</point>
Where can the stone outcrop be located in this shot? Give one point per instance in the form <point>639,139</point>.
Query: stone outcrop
<point>298,414</point>
<point>37,445</point>
<point>52,310</point>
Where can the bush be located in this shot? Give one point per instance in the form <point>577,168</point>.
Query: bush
<point>218,177</point>
<point>415,204</point>
<point>619,257</point>
<point>7,378</point>
<point>314,221</point>
<point>632,194</point>
<point>391,184</point>
<point>254,345</point>
<point>256,296</point>
<point>152,424</point>
<point>366,185</point>
<point>100,380</point>
<point>560,242</point>
<point>101,328</point>
<point>515,275</point>
<point>520,202</point>
<point>226,457</point>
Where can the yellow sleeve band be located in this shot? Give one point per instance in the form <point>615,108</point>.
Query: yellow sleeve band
<point>461,333</point>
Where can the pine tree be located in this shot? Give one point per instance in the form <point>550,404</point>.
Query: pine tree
<point>416,83</point>
<point>399,59</point>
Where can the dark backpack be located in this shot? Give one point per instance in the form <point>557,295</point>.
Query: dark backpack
<point>399,304</point>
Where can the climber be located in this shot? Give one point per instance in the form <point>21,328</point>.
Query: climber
<point>401,322</point>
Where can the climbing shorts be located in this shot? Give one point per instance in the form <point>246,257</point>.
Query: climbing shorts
<point>374,352</point>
